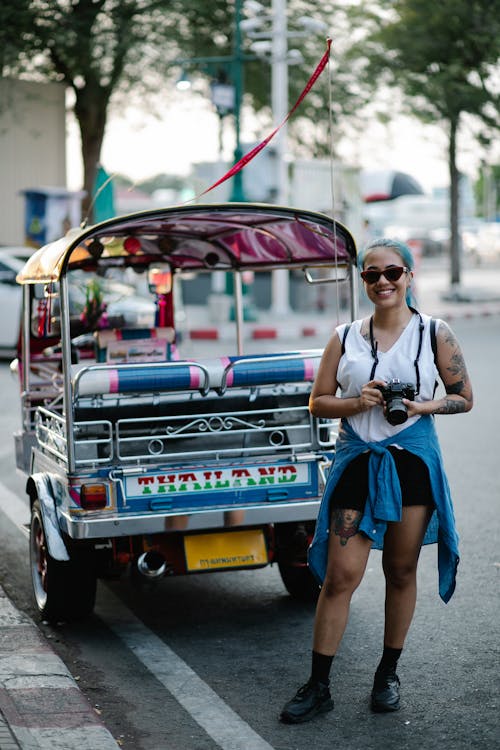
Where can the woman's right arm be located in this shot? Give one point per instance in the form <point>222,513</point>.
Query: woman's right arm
<point>323,401</point>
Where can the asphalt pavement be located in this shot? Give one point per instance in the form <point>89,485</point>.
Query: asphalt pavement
<point>41,705</point>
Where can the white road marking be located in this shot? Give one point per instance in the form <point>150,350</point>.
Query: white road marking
<point>220,722</point>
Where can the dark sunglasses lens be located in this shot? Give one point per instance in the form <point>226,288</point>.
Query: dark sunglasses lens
<point>393,274</point>
<point>371,277</point>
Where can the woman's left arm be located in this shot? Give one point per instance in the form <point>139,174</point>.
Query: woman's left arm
<point>453,372</point>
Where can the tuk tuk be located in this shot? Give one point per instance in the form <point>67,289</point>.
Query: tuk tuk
<point>138,459</point>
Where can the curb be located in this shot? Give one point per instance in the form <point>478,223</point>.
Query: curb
<point>287,330</point>
<point>41,705</point>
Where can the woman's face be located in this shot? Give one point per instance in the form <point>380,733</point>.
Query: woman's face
<point>385,293</point>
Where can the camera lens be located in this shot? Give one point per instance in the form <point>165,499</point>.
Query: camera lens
<point>397,412</point>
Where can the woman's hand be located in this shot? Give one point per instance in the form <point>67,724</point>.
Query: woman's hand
<point>416,407</point>
<point>371,395</point>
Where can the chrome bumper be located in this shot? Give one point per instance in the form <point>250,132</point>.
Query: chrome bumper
<point>116,525</point>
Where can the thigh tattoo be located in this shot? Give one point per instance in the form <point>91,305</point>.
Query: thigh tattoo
<point>345,523</point>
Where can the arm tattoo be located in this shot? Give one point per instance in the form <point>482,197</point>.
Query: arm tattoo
<point>455,388</point>
<point>456,367</point>
<point>451,406</point>
<point>457,364</point>
<point>345,523</point>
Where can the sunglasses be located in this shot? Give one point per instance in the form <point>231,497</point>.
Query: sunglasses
<point>391,274</point>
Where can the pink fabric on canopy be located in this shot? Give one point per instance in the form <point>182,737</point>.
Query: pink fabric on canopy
<point>226,236</point>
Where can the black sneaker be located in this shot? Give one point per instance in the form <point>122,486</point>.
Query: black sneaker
<point>311,699</point>
<point>385,693</point>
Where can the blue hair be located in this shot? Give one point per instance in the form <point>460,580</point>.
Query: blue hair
<point>401,248</point>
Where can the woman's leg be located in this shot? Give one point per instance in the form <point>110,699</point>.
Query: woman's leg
<point>348,552</point>
<point>402,545</point>
<point>347,557</point>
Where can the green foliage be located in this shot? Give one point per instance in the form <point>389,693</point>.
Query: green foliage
<point>105,50</point>
<point>486,190</point>
<point>15,25</point>
<point>101,47</point>
<point>441,55</point>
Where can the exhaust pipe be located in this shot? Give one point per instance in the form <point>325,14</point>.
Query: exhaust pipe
<point>151,564</point>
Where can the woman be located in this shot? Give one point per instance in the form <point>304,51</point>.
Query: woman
<point>387,486</point>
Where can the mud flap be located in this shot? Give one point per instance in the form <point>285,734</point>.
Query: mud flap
<point>42,487</point>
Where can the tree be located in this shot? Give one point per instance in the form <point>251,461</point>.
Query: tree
<point>98,48</point>
<point>106,49</point>
<point>15,21</point>
<point>442,56</point>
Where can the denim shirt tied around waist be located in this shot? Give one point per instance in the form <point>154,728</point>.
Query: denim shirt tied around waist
<point>384,497</point>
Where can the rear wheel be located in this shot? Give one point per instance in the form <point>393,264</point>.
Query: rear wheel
<point>63,590</point>
<point>299,582</point>
<point>292,541</point>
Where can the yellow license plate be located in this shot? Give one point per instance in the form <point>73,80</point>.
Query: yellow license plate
<point>233,549</point>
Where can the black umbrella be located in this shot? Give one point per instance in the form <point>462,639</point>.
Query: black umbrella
<point>385,185</point>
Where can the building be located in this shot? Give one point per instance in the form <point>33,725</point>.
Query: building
<point>32,148</point>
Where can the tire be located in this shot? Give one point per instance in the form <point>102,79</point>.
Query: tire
<point>63,591</point>
<point>299,582</point>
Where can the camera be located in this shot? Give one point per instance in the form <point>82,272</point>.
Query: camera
<point>394,393</point>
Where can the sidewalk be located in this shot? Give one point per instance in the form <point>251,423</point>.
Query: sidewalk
<point>41,705</point>
<point>479,295</point>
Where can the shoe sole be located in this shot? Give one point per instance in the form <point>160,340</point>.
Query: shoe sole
<point>384,708</point>
<point>323,709</point>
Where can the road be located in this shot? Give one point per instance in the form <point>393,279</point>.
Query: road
<point>206,662</point>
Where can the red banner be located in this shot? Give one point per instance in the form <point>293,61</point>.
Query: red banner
<point>257,149</point>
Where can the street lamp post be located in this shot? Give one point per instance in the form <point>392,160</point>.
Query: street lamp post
<point>280,280</point>
<point>279,93</point>
<point>275,42</point>
<point>237,193</point>
<point>234,63</point>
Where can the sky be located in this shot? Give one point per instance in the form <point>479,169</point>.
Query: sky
<point>141,145</point>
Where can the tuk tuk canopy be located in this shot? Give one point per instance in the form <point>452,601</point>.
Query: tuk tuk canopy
<point>225,237</point>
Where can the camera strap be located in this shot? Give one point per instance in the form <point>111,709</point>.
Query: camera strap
<point>374,349</point>
<point>346,331</point>
<point>374,346</point>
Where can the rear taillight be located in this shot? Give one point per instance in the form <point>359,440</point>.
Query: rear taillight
<point>93,496</point>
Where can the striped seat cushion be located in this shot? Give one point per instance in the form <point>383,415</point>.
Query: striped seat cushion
<point>218,374</point>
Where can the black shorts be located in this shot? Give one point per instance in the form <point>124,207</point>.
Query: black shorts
<point>351,490</point>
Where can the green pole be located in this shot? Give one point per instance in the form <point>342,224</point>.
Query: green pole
<point>237,192</point>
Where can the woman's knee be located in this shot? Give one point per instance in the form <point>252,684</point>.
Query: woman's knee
<point>340,582</point>
<point>400,574</point>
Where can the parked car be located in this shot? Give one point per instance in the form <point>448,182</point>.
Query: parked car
<point>483,244</point>
<point>10,301</point>
<point>424,242</point>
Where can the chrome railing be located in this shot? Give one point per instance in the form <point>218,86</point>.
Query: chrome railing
<point>229,433</point>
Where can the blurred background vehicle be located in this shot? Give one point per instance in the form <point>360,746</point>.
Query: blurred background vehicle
<point>482,242</point>
<point>10,298</point>
<point>424,243</point>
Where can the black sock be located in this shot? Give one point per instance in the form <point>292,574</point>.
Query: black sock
<point>321,665</point>
<point>389,660</point>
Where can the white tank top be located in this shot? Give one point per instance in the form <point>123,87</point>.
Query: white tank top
<point>356,365</point>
